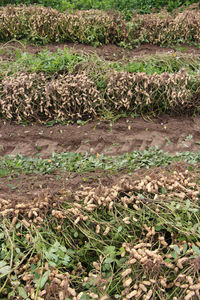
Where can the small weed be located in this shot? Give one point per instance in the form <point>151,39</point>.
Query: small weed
<point>81,122</point>
<point>181,49</point>
<point>11,186</point>
<point>168,141</point>
<point>54,122</point>
<point>189,137</point>
<point>85,179</point>
<point>115,144</point>
<point>39,148</point>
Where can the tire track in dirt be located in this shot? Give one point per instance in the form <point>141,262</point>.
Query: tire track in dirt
<point>126,135</point>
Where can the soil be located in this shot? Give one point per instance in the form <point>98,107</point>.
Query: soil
<point>172,134</point>
<point>125,135</point>
<point>107,52</point>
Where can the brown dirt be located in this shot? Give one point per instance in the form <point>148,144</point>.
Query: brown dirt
<point>35,188</point>
<point>107,52</point>
<point>170,134</point>
<point>128,134</point>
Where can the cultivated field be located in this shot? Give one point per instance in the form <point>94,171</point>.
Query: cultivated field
<point>99,151</point>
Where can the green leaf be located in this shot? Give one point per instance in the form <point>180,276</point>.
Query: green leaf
<point>174,254</point>
<point>84,297</point>
<point>109,260</point>
<point>76,234</point>
<point>177,250</point>
<point>2,263</point>
<point>3,172</point>
<point>33,267</point>
<point>184,248</point>
<point>109,250</point>
<point>194,210</point>
<point>56,245</point>
<point>63,249</point>
<point>119,229</point>
<point>66,260</point>
<point>2,234</point>
<point>22,292</point>
<point>158,227</point>
<point>141,196</point>
<point>44,279</point>
<point>187,203</point>
<point>52,264</point>
<point>4,268</point>
<point>37,275</point>
<point>196,249</point>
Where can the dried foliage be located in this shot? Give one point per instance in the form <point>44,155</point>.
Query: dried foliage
<point>39,24</point>
<point>68,97</point>
<point>137,262</point>
<point>74,96</point>
<point>21,96</point>
<point>151,93</point>
<point>34,96</point>
<point>165,29</point>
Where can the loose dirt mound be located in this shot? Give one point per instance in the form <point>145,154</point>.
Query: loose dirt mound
<point>126,135</point>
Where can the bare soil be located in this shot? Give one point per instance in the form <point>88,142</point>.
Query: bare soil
<point>172,134</point>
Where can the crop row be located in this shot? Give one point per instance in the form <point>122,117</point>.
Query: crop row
<point>137,238</point>
<point>125,6</point>
<point>72,96</point>
<point>43,25</point>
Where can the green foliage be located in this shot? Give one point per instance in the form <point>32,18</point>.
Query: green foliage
<point>160,64</point>
<point>125,6</point>
<point>69,61</point>
<point>44,61</point>
<point>77,162</point>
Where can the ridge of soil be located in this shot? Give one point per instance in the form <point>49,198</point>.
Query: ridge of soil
<point>108,52</point>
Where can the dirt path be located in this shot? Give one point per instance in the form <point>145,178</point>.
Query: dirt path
<point>126,135</point>
<point>107,52</point>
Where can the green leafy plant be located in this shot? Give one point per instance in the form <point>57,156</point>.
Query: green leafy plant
<point>126,6</point>
<point>77,162</point>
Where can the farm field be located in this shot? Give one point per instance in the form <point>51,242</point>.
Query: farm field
<point>99,151</point>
